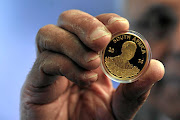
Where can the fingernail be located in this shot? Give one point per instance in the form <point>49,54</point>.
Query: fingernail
<point>89,58</point>
<point>91,76</point>
<point>115,19</point>
<point>99,32</point>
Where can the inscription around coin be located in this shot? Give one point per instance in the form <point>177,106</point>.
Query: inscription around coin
<point>125,56</point>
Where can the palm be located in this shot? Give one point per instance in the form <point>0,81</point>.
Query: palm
<point>78,103</point>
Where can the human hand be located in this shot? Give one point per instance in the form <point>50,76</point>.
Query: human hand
<point>66,81</point>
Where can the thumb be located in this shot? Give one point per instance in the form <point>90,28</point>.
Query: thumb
<point>128,98</point>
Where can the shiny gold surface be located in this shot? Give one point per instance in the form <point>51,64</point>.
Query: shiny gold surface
<point>126,57</point>
<point>119,65</point>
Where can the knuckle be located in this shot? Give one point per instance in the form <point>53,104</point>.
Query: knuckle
<point>143,98</point>
<point>66,14</point>
<point>65,65</point>
<point>44,29</point>
<point>39,63</point>
<point>78,17</point>
<point>63,14</point>
<point>41,36</point>
<point>42,32</point>
<point>69,12</point>
<point>43,58</point>
<point>91,22</point>
<point>114,14</point>
<point>90,19</point>
<point>91,65</point>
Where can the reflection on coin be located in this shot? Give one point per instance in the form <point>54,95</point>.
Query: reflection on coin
<point>126,57</point>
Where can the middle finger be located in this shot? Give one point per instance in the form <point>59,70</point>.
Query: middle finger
<point>58,40</point>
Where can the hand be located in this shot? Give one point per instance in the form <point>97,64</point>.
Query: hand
<point>66,81</point>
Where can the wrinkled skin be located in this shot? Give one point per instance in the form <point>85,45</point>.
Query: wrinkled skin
<point>66,81</point>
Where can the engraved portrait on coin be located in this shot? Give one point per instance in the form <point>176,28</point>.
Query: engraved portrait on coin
<point>125,57</point>
<point>120,65</point>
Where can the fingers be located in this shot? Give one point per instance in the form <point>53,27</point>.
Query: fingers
<point>50,75</point>
<point>54,64</point>
<point>129,97</point>
<point>89,29</point>
<point>113,22</point>
<point>58,40</point>
<point>78,40</point>
<point>93,32</point>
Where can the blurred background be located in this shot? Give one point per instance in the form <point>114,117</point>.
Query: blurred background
<point>157,20</point>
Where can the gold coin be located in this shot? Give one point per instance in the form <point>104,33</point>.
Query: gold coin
<point>126,57</point>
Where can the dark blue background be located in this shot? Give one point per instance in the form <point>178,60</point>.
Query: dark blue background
<point>19,22</point>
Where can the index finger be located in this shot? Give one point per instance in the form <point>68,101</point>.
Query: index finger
<point>89,29</point>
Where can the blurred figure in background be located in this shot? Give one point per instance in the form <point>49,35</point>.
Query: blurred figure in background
<point>158,21</point>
